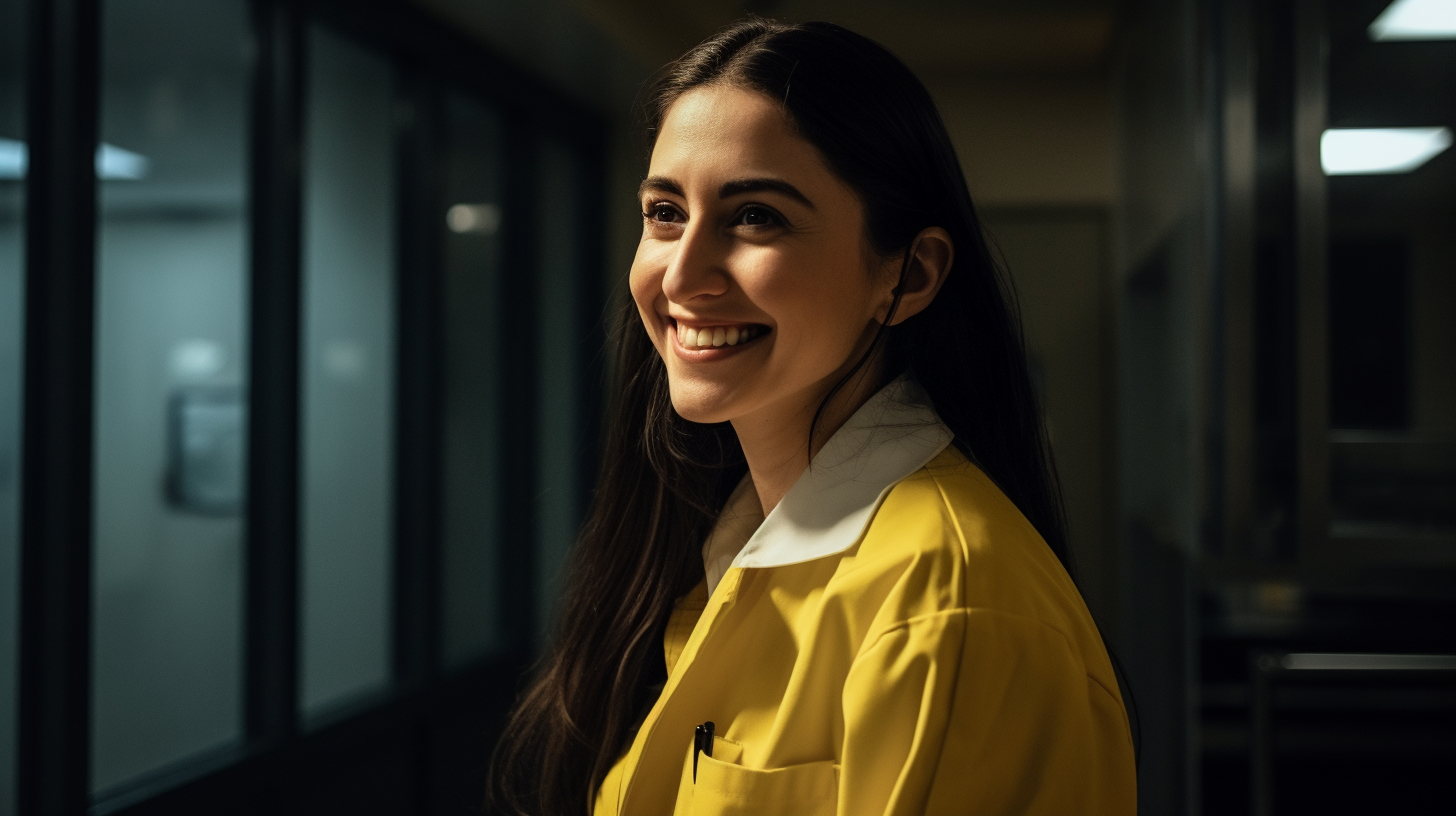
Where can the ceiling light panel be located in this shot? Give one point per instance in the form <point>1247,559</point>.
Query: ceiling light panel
<point>1357,151</point>
<point>1416,20</point>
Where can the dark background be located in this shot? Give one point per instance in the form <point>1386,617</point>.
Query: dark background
<point>300,390</point>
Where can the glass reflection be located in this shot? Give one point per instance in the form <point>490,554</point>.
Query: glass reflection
<point>348,373</point>
<point>171,363</point>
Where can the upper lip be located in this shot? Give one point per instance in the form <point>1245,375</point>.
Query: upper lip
<point>698,323</point>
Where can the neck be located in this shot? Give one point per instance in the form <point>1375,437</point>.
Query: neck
<point>775,439</point>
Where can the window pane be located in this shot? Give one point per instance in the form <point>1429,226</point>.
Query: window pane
<point>1392,200</point>
<point>469,221</point>
<point>560,445</point>
<point>12,323</point>
<point>348,373</point>
<point>171,367</point>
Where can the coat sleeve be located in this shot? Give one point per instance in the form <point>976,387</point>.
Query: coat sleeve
<point>974,711</point>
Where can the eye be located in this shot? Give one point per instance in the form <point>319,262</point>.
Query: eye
<point>661,212</point>
<point>755,215</point>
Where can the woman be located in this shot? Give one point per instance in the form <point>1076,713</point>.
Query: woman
<point>824,572</point>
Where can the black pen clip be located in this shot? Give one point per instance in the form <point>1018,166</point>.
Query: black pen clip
<point>702,744</point>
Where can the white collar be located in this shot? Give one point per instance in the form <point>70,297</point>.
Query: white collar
<point>895,433</point>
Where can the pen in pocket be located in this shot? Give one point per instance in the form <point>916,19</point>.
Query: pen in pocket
<point>702,744</point>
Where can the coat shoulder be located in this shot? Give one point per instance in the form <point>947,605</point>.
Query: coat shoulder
<point>950,539</point>
<point>950,509</point>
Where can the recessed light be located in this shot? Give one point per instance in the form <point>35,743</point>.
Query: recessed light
<point>1416,20</point>
<point>1354,151</point>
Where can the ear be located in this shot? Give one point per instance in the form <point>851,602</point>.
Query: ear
<point>930,258</point>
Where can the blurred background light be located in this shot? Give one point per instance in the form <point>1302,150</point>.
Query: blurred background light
<point>1416,20</point>
<point>484,218</point>
<point>197,357</point>
<point>1352,151</point>
<point>112,162</point>
<point>12,159</point>
<point>1317,661</point>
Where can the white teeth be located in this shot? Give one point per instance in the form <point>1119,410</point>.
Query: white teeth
<point>715,336</point>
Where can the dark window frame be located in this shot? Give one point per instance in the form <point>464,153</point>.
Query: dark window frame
<point>62,120</point>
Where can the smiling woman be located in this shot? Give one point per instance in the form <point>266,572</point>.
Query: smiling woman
<point>746,230</point>
<point>825,572</point>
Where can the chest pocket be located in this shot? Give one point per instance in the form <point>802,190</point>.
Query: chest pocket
<point>725,788</point>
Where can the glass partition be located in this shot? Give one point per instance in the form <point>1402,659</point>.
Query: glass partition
<point>171,384</point>
<point>1391,181</point>
<point>12,328</point>
<point>470,221</point>
<point>185,635</point>
<point>348,373</point>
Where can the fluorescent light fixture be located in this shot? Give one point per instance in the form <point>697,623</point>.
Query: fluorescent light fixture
<point>1357,151</point>
<point>1416,20</point>
<point>12,159</point>
<point>112,162</point>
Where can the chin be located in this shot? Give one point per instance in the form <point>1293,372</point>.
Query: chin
<point>703,403</point>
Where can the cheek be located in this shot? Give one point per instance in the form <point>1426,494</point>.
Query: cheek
<point>819,304</point>
<point>645,287</point>
<point>643,283</point>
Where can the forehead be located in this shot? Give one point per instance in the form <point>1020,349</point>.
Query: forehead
<point>721,129</point>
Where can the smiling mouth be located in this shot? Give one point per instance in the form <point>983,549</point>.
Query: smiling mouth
<point>706,337</point>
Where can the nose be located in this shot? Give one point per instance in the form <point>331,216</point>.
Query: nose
<point>696,268</point>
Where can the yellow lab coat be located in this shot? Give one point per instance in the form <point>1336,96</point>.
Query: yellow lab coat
<point>894,638</point>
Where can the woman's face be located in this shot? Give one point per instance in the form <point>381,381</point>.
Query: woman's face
<point>753,276</point>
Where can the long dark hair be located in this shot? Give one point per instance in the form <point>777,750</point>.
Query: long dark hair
<point>664,479</point>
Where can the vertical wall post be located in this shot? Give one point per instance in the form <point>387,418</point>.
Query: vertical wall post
<point>55,592</point>
<point>1239,135</point>
<point>1311,282</point>
<point>271,690</point>
<point>1263,669</point>
<point>517,391</point>
<point>418,401</point>
<point>594,303</point>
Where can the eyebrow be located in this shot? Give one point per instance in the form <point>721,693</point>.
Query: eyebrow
<point>731,188</point>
